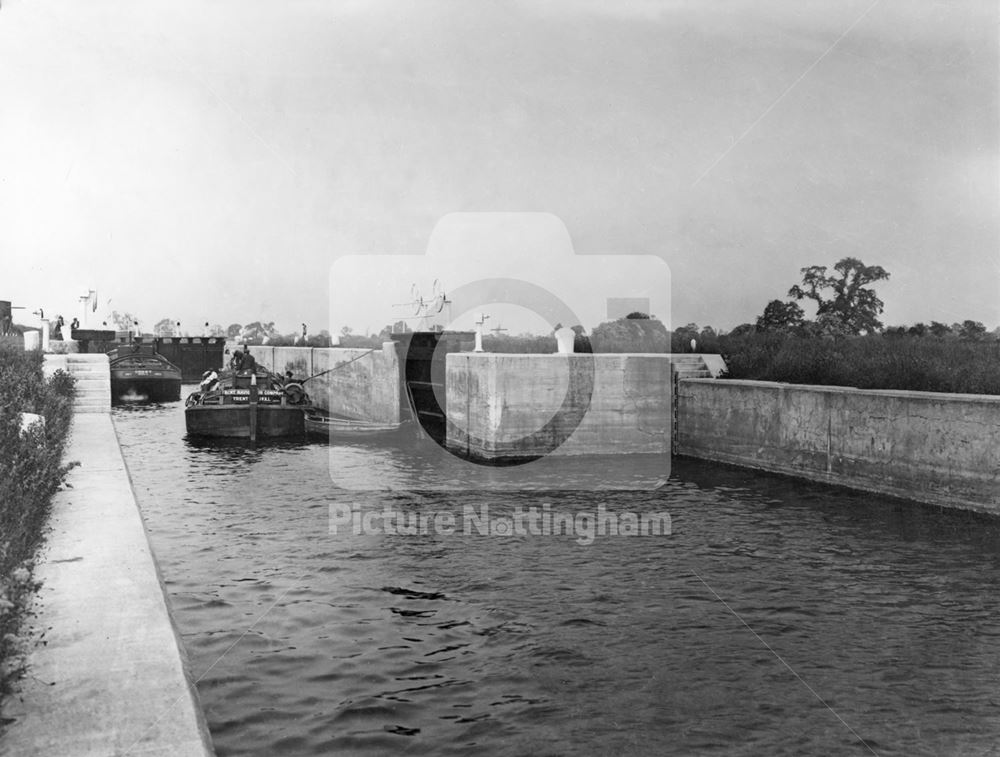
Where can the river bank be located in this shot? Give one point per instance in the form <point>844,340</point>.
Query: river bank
<point>108,675</point>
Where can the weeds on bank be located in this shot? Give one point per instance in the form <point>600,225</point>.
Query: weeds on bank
<point>31,470</point>
<point>875,361</point>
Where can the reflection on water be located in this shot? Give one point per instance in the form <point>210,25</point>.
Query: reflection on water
<point>307,642</point>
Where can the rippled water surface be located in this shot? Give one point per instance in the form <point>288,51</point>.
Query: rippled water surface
<point>778,618</point>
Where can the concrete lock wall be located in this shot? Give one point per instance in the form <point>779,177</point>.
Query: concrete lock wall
<point>367,385</point>
<point>936,448</point>
<point>505,406</point>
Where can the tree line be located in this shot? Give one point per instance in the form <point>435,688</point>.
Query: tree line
<point>845,299</point>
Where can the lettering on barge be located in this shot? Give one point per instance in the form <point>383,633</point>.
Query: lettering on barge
<point>242,396</point>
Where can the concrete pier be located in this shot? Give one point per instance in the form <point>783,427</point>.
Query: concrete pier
<point>111,677</point>
<point>511,406</point>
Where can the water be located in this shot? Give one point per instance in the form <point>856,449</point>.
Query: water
<point>778,618</point>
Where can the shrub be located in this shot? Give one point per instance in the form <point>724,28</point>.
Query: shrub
<point>31,470</point>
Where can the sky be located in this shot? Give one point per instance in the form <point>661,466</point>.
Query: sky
<point>224,161</point>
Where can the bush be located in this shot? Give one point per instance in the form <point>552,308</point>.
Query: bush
<point>867,362</point>
<point>535,345</point>
<point>31,470</point>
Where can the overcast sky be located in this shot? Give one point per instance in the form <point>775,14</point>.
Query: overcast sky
<point>212,160</point>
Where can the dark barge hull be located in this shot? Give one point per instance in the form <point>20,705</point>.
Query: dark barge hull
<point>233,421</point>
<point>138,373</point>
<point>151,389</point>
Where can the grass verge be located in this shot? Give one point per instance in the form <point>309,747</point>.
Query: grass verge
<point>31,470</point>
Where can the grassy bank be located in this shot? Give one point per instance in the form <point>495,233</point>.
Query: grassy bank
<point>875,361</point>
<point>31,470</point>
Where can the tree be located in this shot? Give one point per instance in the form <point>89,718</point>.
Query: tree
<point>708,340</point>
<point>780,316</point>
<point>234,330</point>
<point>680,339</point>
<point>322,339</point>
<point>164,327</point>
<point>257,332</point>
<point>828,326</point>
<point>743,329</point>
<point>628,335</point>
<point>123,321</point>
<point>637,316</point>
<point>849,300</point>
<point>939,329</point>
<point>972,331</point>
<point>283,340</point>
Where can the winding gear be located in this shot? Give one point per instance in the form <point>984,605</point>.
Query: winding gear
<point>295,393</point>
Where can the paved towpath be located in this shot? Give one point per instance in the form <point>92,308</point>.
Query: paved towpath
<point>110,678</point>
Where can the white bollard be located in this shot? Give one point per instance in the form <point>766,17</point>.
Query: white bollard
<point>45,335</point>
<point>564,339</point>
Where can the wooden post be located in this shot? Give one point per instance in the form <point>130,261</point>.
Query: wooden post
<point>253,407</point>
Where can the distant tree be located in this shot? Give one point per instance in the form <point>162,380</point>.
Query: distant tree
<point>917,329</point>
<point>939,329</point>
<point>216,330</point>
<point>826,326</point>
<point>521,344</point>
<point>322,339</point>
<point>164,327</point>
<point>234,330</point>
<point>742,330</point>
<point>780,316</point>
<point>358,340</point>
<point>845,296</point>
<point>629,335</point>
<point>283,340</point>
<point>122,321</point>
<point>708,340</point>
<point>637,316</point>
<point>971,331</point>
<point>258,332</point>
<point>581,342</point>
<point>680,339</point>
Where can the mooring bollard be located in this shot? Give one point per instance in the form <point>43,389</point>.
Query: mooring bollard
<point>32,341</point>
<point>564,339</point>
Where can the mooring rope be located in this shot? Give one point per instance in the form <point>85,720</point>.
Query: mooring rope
<point>341,365</point>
